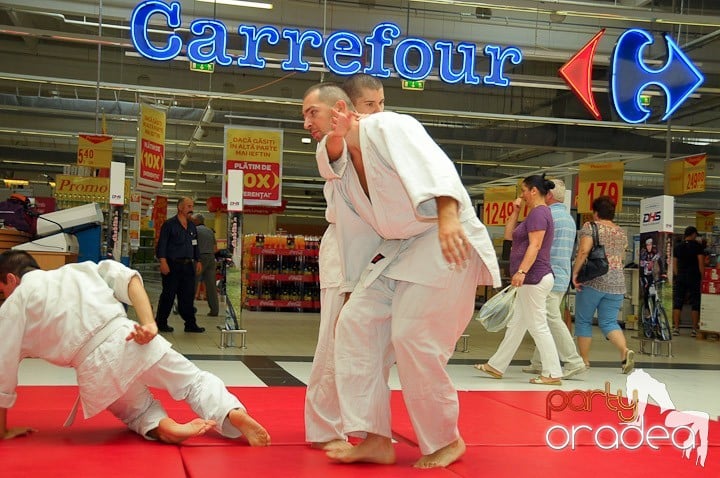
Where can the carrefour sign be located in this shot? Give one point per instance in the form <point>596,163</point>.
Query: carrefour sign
<point>346,53</point>
<point>343,52</point>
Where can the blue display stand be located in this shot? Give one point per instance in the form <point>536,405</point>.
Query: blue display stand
<point>89,242</point>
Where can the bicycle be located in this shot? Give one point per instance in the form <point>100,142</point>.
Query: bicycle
<point>655,323</point>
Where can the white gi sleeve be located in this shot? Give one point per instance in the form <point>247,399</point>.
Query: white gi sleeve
<point>424,169</point>
<point>117,276</point>
<point>12,329</point>
<point>330,170</point>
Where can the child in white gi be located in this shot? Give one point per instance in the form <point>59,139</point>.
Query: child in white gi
<point>74,317</point>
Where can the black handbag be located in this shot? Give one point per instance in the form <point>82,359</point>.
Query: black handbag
<point>596,263</point>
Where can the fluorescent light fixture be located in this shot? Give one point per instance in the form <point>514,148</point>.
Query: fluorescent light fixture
<point>306,140</point>
<point>241,3</point>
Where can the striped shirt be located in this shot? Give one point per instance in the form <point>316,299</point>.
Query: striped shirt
<point>562,246</point>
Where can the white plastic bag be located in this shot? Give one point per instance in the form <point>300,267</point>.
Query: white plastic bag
<point>497,312</point>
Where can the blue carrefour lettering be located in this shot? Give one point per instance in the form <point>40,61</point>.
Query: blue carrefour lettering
<point>343,53</point>
<point>401,61</point>
<point>467,72</point>
<point>678,77</point>
<point>343,44</point>
<point>295,61</point>
<point>253,35</point>
<point>139,25</point>
<point>210,49</point>
<point>497,62</point>
<point>377,42</point>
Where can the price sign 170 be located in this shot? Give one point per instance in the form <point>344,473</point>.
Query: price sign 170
<point>600,179</point>
<point>603,188</point>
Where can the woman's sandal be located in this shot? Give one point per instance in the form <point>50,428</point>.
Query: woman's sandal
<point>488,371</point>
<point>545,381</point>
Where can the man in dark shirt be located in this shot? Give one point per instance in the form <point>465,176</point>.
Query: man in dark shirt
<point>207,245</point>
<point>688,269</point>
<point>177,251</point>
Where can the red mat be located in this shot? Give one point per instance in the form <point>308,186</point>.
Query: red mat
<point>505,432</point>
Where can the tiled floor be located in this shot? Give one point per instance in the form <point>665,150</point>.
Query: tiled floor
<point>280,347</point>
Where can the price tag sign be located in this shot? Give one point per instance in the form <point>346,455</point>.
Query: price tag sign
<point>498,205</point>
<point>694,170</point>
<point>94,150</point>
<point>600,179</point>
<point>704,221</point>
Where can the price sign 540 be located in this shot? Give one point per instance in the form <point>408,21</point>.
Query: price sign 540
<point>85,154</point>
<point>497,213</point>
<point>603,188</point>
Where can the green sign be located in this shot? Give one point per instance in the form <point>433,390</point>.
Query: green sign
<point>645,100</point>
<point>413,85</point>
<point>204,67</point>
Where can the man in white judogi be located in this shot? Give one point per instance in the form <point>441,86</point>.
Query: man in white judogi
<point>434,253</point>
<point>323,427</point>
<point>73,317</point>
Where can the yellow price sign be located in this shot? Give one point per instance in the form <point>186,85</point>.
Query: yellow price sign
<point>94,150</point>
<point>694,171</point>
<point>498,205</point>
<point>704,221</point>
<point>600,179</point>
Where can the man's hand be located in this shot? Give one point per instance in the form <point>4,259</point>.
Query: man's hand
<point>341,122</point>
<point>454,244</point>
<point>143,334</point>
<point>198,268</point>
<point>18,432</point>
<point>164,268</point>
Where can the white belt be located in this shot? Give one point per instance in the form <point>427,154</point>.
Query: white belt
<point>100,336</point>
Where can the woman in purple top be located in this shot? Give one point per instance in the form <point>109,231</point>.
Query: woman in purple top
<point>532,274</point>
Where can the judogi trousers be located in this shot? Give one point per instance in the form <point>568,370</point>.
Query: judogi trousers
<point>204,392</point>
<point>422,324</point>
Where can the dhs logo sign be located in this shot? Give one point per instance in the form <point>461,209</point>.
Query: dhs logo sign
<point>652,217</point>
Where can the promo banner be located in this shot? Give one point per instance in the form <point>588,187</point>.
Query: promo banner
<point>150,154</point>
<point>704,221</point>
<point>94,150</point>
<point>258,153</point>
<point>600,179</point>
<point>686,175</point>
<point>82,188</point>
<point>114,233</point>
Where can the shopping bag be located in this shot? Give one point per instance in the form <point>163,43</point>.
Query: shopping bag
<point>497,312</point>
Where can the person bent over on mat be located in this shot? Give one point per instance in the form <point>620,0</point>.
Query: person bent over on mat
<point>74,317</point>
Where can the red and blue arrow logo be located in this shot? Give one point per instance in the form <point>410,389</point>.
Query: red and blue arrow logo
<point>678,78</point>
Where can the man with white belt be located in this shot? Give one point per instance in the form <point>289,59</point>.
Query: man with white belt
<point>417,294</point>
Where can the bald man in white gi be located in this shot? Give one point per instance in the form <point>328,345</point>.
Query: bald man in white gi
<point>417,295</point>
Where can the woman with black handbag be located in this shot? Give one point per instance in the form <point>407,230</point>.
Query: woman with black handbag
<point>605,292</point>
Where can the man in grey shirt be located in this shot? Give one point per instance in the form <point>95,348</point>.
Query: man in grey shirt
<point>206,246</point>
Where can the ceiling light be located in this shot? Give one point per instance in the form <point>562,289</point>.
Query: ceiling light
<point>241,3</point>
<point>306,140</point>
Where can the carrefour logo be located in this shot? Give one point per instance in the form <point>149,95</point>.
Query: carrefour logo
<point>631,75</point>
<point>343,52</point>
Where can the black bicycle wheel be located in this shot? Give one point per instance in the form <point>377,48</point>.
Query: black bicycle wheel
<point>665,332</point>
<point>647,325</point>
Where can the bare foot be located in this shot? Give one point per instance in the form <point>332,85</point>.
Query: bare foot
<point>255,434</point>
<point>444,456</point>
<point>374,449</point>
<point>170,431</point>
<point>331,445</point>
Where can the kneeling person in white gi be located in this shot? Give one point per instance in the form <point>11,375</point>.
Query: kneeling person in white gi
<point>73,317</point>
